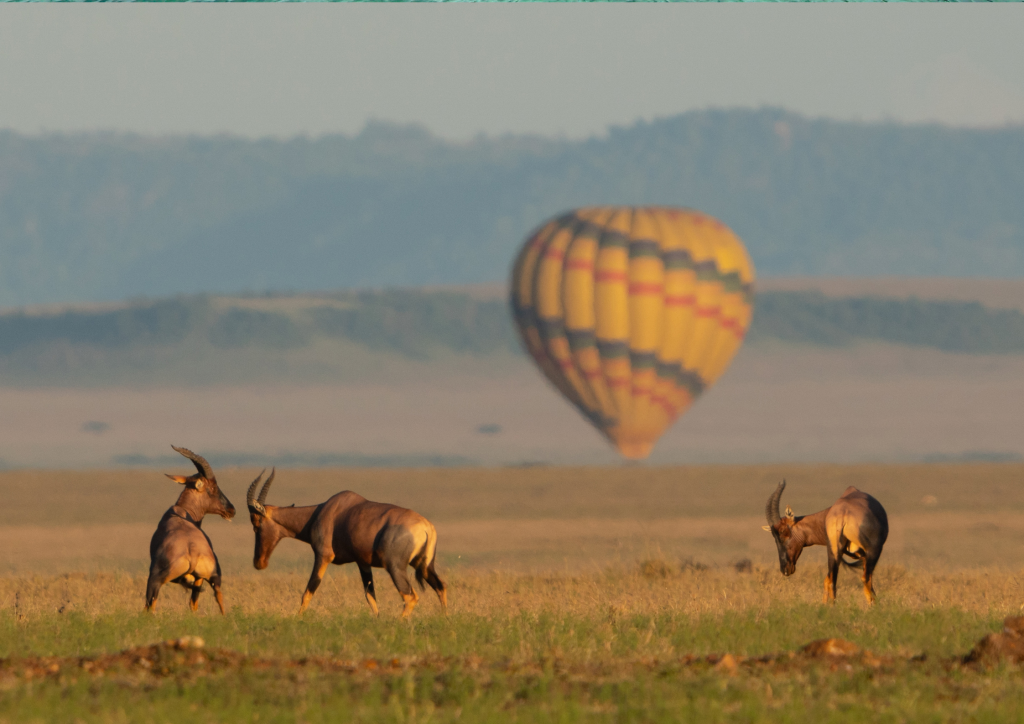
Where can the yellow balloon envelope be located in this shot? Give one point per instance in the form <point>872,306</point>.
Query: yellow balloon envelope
<point>632,312</point>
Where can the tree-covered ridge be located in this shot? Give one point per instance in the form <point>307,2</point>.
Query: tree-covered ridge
<point>111,216</point>
<point>417,324</point>
<point>406,322</point>
<point>952,326</point>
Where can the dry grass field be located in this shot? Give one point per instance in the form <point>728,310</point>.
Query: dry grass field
<point>654,643</point>
<point>536,518</point>
<point>577,594</point>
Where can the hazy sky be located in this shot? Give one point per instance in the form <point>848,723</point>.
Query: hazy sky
<point>461,70</point>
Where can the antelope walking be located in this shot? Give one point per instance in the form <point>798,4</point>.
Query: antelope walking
<point>349,528</point>
<point>180,552</point>
<point>855,526</point>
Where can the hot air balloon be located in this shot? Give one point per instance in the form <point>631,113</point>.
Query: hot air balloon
<point>632,312</point>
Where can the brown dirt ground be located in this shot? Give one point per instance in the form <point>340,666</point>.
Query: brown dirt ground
<point>187,658</point>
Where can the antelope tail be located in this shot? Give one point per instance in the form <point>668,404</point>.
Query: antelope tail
<point>423,561</point>
<point>858,562</point>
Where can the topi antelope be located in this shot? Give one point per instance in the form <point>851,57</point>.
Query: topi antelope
<point>348,528</point>
<point>180,552</point>
<point>855,526</point>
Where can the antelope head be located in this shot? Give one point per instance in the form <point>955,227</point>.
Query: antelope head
<point>202,494</point>
<point>268,534</point>
<point>782,529</point>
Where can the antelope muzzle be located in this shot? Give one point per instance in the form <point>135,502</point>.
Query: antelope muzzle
<point>786,564</point>
<point>225,509</point>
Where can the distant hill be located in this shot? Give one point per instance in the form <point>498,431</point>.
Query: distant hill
<point>383,335</point>
<point>112,216</point>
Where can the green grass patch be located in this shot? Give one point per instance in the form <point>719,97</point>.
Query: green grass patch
<point>524,634</point>
<point>816,691</point>
<point>697,645</point>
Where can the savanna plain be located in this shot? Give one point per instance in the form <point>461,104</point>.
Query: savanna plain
<point>626,593</point>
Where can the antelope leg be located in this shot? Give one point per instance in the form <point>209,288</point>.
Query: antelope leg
<point>832,576</point>
<point>367,575</point>
<point>869,569</point>
<point>215,584</point>
<point>152,591</point>
<point>319,569</point>
<point>437,584</point>
<point>196,590</point>
<point>397,573</point>
<point>158,576</point>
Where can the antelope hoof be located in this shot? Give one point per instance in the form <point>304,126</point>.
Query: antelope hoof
<point>373,605</point>
<point>410,604</point>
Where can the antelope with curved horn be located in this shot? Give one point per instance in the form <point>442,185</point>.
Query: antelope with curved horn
<point>349,528</point>
<point>180,552</point>
<point>855,526</point>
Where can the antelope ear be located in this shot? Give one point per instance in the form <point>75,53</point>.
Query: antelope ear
<point>199,484</point>
<point>789,512</point>
<point>178,478</point>
<point>767,528</point>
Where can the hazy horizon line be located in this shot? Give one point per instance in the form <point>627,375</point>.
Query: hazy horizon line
<point>378,122</point>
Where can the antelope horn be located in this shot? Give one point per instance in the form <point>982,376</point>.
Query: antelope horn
<point>266,486</point>
<point>250,496</point>
<point>771,510</point>
<point>198,460</point>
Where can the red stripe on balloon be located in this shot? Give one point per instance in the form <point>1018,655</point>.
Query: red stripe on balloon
<point>664,404</point>
<point>708,311</point>
<point>610,276</point>
<point>645,288</point>
<point>676,300</point>
<point>554,254</point>
<point>619,382</point>
<point>735,326</point>
<point>579,264</point>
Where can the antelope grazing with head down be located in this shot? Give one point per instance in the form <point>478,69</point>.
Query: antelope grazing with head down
<point>180,552</point>
<point>855,526</point>
<point>349,528</point>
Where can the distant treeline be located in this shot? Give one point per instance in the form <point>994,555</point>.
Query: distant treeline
<point>952,326</point>
<point>107,216</point>
<point>408,322</point>
<point>416,324</point>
